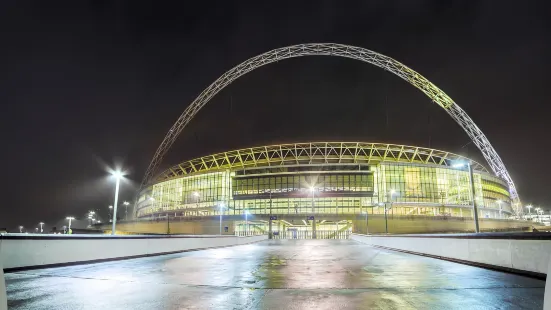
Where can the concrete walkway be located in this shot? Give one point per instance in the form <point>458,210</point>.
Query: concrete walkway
<point>276,274</point>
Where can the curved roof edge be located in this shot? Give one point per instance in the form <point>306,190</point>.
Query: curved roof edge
<point>314,153</point>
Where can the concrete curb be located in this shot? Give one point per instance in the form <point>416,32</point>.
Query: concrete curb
<point>547,297</point>
<point>3,296</point>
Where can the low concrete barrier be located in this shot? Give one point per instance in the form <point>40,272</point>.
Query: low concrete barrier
<point>3,297</point>
<point>38,251</point>
<point>525,252</point>
<point>547,297</point>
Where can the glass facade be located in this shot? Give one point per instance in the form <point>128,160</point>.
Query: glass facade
<point>411,189</point>
<point>191,195</point>
<point>302,184</point>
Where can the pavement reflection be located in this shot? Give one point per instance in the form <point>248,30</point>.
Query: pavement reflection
<point>275,274</point>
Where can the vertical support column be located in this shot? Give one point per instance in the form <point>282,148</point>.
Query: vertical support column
<point>314,229</point>
<point>475,211</point>
<point>313,212</point>
<point>270,233</point>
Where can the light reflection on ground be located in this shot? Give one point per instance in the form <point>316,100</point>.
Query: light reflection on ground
<point>277,274</point>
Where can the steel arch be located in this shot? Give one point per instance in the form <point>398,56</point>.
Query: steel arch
<point>347,51</point>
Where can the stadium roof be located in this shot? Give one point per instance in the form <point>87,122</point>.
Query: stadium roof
<point>314,153</point>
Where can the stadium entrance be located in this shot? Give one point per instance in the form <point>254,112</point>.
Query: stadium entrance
<point>293,233</point>
<point>296,229</point>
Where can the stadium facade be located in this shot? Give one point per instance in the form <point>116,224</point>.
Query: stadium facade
<point>325,179</point>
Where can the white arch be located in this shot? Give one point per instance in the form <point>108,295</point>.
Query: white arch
<point>358,53</point>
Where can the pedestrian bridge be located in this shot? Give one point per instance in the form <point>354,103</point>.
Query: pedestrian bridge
<point>275,274</point>
<point>231,272</point>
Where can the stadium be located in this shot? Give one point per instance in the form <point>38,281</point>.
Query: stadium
<point>326,189</point>
<point>322,186</point>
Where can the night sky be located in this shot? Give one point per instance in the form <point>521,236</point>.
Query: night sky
<point>91,84</point>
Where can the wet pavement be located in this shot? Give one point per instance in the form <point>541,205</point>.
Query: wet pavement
<point>275,274</point>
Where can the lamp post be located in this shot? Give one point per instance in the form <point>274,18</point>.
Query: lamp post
<point>197,196</point>
<point>313,190</point>
<point>499,202</point>
<point>41,225</point>
<point>529,207</point>
<point>390,193</point>
<point>366,224</point>
<point>126,203</point>
<point>222,207</point>
<point>167,223</point>
<point>70,218</point>
<point>91,217</point>
<point>471,181</point>
<point>118,176</point>
<point>246,223</point>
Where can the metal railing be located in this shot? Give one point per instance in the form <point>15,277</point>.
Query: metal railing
<point>307,234</point>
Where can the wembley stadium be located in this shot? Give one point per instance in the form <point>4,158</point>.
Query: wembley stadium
<point>324,186</point>
<point>327,188</point>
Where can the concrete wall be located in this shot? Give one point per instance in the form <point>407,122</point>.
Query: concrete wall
<point>532,255</point>
<point>210,226</point>
<point>520,254</point>
<point>18,251</point>
<point>38,250</point>
<point>419,224</point>
<point>396,224</point>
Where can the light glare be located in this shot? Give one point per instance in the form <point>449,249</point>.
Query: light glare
<point>117,174</point>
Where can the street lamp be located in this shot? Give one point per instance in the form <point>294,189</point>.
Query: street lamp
<point>246,223</point>
<point>390,193</point>
<point>118,176</point>
<point>110,214</point>
<point>313,190</point>
<point>41,224</point>
<point>126,203</point>
<point>197,197</point>
<point>471,180</point>
<point>366,223</point>
<point>91,217</point>
<point>70,218</point>
<point>529,207</point>
<point>222,207</point>
<point>499,202</point>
